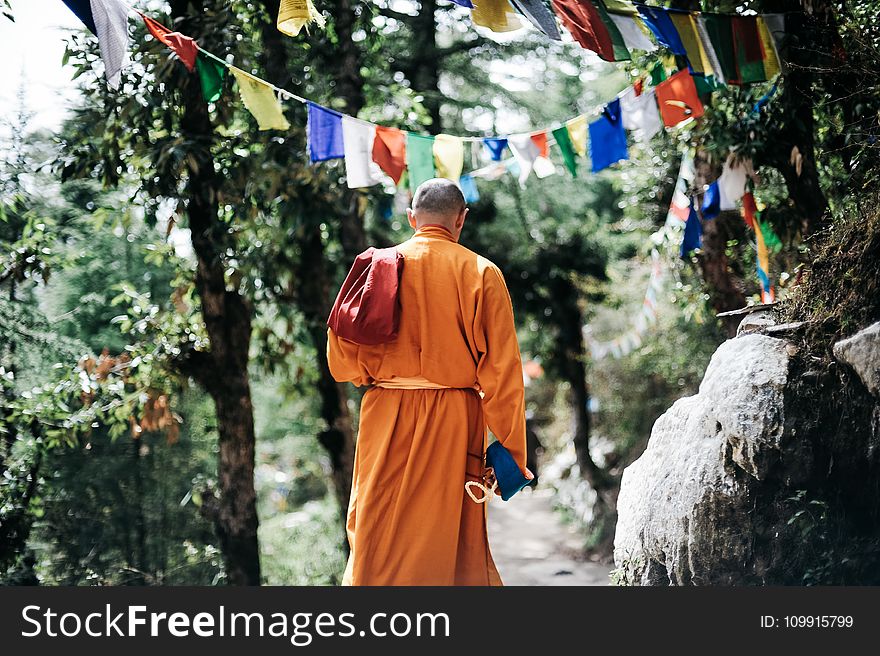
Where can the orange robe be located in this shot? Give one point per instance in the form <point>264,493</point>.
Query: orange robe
<point>410,521</point>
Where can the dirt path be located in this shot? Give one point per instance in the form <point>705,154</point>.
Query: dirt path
<point>531,545</point>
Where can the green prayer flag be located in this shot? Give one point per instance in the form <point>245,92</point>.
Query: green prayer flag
<point>563,140</point>
<point>705,83</point>
<point>771,239</point>
<point>211,73</point>
<point>720,31</point>
<point>419,159</point>
<point>658,73</point>
<point>621,53</point>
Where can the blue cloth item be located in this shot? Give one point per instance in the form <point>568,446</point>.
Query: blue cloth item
<point>510,479</point>
<point>325,134</point>
<point>495,146</point>
<point>711,206</point>
<point>469,189</point>
<point>464,3</point>
<point>693,232</point>
<point>607,138</point>
<point>658,21</point>
<point>83,11</point>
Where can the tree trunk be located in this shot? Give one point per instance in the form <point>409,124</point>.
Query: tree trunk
<point>313,275</point>
<point>222,371</point>
<point>570,354</point>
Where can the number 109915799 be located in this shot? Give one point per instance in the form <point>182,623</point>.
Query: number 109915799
<point>807,622</point>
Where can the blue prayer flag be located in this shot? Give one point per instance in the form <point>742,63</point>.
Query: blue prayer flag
<point>325,134</point>
<point>469,189</point>
<point>607,138</point>
<point>464,3</point>
<point>711,206</point>
<point>83,11</point>
<point>693,232</point>
<point>495,146</point>
<point>658,21</point>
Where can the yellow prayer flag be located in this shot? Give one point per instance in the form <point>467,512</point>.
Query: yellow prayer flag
<point>621,7</point>
<point>260,100</point>
<point>687,31</point>
<point>448,156</point>
<point>771,57</point>
<point>294,14</point>
<point>497,15</point>
<point>577,131</point>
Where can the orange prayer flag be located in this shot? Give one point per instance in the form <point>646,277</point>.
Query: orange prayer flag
<point>184,46</point>
<point>540,140</point>
<point>678,100</point>
<point>389,151</point>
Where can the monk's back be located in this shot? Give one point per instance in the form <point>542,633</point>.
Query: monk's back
<point>441,288</point>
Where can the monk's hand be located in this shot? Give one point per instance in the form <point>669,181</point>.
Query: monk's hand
<point>528,474</point>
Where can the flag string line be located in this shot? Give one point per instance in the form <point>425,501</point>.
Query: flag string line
<point>281,92</point>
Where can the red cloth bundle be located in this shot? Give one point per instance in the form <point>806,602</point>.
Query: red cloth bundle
<point>367,309</point>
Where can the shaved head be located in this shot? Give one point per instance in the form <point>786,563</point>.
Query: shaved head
<point>438,196</point>
<point>439,202</point>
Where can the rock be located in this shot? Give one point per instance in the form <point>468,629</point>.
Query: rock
<point>685,510</point>
<point>862,353</point>
<point>756,321</point>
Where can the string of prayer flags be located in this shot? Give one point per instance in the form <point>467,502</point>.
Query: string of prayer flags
<point>750,209</point>
<point>111,26</point>
<point>659,22</point>
<point>495,146</point>
<point>448,156</point>
<point>640,114</point>
<point>577,130</point>
<point>678,99</point>
<point>324,130</point>
<point>357,138</point>
<point>566,149</point>
<point>389,151</point>
<point>469,189</point>
<point>621,53</point>
<point>183,46</point>
<point>538,15</point>
<point>293,15</point>
<point>260,100</point>
<point>693,232</point>
<point>83,10</point>
<point>646,317</point>
<point>496,15</point>
<point>582,19</point>
<point>419,159</point>
<point>211,75</point>
<point>607,138</point>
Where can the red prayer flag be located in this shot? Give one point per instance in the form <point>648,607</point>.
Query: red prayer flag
<point>678,99</point>
<point>184,46</point>
<point>638,86</point>
<point>750,209</point>
<point>389,151</point>
<point>585,24</point>
<point>367,308</point>
<point>540,140</point>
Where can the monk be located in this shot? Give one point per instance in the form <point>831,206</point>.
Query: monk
<point>453,369</point>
